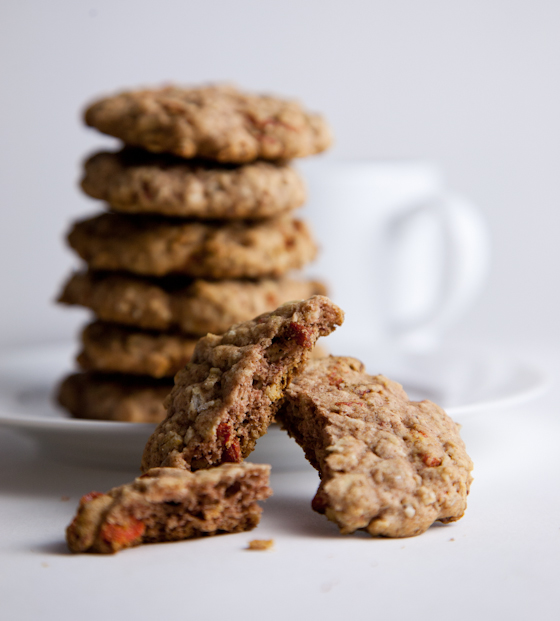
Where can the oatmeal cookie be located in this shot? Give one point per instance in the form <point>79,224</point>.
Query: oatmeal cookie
<point>155,247</point>
<point>168,504</point>
<point>216,122</point>
<point>111,348</point>
<point>114,397</point>
<point>191,307</point>
<point>226,397</point>
<point>135,181</point>
<point>388,465</point>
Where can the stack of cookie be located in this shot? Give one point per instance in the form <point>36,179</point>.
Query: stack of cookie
<point>198,235</point>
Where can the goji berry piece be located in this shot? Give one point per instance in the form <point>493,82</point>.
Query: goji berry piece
<point>431,461</point>
<point>123,534</point>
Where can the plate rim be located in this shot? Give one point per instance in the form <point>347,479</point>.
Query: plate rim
<point>540,383</point>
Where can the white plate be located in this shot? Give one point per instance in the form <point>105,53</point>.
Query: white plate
<point>462,381</point>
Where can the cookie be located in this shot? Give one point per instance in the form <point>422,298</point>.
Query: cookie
<point>216,122</point>
<point>226,397</point>
<point>168,504</point>
<point>388,465</point>
<point>135,181</point>
<point>114,397</point>
<point>156,247</point>
<point>191,307</point>
<point>111,348</point>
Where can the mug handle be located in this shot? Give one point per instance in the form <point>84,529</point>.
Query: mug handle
<point>465,245</point>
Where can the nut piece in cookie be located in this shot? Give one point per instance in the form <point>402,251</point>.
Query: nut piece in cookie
<point>122,398</point>
<point>388,465</point>
<point>226,397</point>
<point>136,181</point>
<point>216,122</point>
<point>154,246</point>
<point>168,504</point>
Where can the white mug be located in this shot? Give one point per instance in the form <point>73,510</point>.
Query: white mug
<point>403,257</point>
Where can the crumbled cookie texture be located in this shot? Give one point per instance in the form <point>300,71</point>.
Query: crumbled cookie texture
<point>388,465</point>
<point>169,504</point>
<point>136,181</point>
<point>261,544</point>
<point>217,122</point>
<point>111,348</point>
<point>191,307</point>
<point>155,246</point>
<point>227,396</point>
<point>124,398</point>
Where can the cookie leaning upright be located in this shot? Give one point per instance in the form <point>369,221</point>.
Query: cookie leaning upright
<point>215,122</point>
<point>388,465</point>
<point>226,397</point>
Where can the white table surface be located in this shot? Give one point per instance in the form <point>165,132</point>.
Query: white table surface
<point>501,561</point>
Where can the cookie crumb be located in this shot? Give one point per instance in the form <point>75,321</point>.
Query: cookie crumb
<point>261,544</point>
<point>452,539</point>
<point>65,498</point>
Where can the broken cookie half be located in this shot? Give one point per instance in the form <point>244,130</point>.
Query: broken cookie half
<point>227,396</point>
<point>169,504</point>
<point>388,465</point>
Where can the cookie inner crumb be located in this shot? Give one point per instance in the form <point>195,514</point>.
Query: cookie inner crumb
<point>261,544</point>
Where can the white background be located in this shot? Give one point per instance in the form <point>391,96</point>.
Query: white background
<point>472,85</point>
